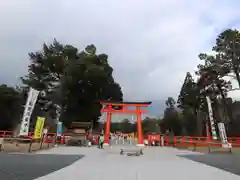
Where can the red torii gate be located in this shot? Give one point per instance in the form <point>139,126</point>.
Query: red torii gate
<point>108,107</point>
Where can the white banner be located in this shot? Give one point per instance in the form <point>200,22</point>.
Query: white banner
<point>222,133</point>
<point>29,106</point>
<point>210,112</point>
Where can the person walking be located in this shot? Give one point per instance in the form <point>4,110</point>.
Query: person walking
<point>98,141</point>
<point>110,140</point>
<point>101,140</point>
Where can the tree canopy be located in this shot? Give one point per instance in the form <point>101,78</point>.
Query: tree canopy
<point>224,61</point>
<point>69,80</point>
<point>10,107</point>
<point>73,79</point>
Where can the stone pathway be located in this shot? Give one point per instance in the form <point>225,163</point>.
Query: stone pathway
<point>156,163</point>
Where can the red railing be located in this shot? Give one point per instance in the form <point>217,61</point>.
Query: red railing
<point>198,141</point>
<point>48,138</point>
<point>181,141</point>
<point>176,141</point>
<point>6,133</point>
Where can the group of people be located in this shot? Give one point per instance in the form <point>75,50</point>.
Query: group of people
<point>101,140</point>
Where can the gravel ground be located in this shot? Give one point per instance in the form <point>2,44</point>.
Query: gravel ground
<point>156,163</point>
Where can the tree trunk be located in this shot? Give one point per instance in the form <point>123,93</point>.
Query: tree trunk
<point>16,130</point>
<point>223,105</point>
<point>235,64</point>
<point>199,122</point>
<point>237,76</point>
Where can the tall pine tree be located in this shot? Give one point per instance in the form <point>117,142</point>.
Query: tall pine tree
<point>188,102</point>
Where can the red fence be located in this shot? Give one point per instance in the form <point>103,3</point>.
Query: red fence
<point>200,141</point>
<point>48,138</point>
<point>181,141</point>
<point>175,141</point>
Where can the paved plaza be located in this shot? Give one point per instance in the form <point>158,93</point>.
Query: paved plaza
<point>82,163</point>
<point>156,163</point>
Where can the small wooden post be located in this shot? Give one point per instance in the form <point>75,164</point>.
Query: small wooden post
<point>194,146</point>
<point>30,145</point>
<point>209,148</point>
<point>1,144</point>
<point>41,142</point>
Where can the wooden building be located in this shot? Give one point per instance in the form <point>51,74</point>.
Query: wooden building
<point>77,132</point>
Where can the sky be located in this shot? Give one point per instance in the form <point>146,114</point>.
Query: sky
<point>151,43</point>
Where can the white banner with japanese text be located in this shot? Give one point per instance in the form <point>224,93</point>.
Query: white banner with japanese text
<point>29,106</point>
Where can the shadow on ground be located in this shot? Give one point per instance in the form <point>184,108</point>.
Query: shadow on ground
<point>225,161</point>
<point>32,166</point>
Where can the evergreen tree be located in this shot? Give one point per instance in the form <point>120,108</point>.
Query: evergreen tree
<point>72,80</point>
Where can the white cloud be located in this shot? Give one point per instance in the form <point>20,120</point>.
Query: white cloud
<point>151,44</point>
